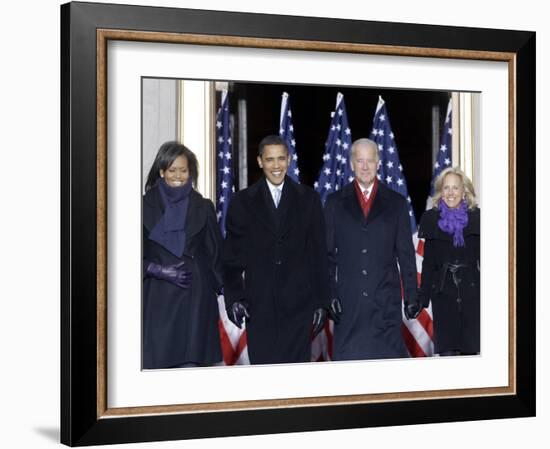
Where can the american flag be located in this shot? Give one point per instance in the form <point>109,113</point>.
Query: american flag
<point>321,346</point>
<point>417,333</point>
<point>443,160</point>
<point>336,171</point>
<point>224,166</point>
<point>390,170</point>
<point>233,339</point>
<point>444,157</point>
<point>286,131</point>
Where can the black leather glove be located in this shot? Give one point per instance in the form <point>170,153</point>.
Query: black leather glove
<point>171,273</point>
<point>237,312</point>
<point>335,310</point>
<point>412,309</point>
<point>319,318</point>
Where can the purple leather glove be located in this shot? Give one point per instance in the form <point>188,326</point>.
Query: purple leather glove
<point>174,274</point>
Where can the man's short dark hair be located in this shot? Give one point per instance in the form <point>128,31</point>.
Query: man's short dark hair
<point>271,140</point>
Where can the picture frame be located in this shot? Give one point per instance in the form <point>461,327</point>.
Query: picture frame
<point>86,29</point>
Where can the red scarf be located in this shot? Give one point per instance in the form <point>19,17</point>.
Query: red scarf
<point>366,204</point>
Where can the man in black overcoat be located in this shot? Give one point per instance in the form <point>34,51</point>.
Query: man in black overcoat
<point>275,261</point>
<point>370,252</point>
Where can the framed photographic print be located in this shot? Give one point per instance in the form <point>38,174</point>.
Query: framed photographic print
<point>136,77</point>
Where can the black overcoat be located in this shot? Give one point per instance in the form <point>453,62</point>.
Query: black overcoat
<point>363,260</point>
<point>456,316</point>
<point>181,326</point>
<point>275,259</point>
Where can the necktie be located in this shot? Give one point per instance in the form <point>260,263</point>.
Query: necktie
<point>276,196</point>
<point>366,193</point>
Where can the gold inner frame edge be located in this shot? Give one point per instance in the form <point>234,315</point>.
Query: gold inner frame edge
<point>103,36</point>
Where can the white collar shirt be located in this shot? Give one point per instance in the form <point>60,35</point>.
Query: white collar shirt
<point>366,192</point>
<point>276,192</point>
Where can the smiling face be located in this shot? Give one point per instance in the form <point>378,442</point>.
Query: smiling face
<point>177,174</point>
<point>274,162</point>
<point>364,162</point>
<point>452,190</point>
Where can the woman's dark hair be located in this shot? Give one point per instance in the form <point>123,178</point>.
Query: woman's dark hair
<point>271,140</point>
<point>166,155</point>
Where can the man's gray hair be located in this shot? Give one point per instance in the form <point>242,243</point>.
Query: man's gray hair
<point>365,142</point>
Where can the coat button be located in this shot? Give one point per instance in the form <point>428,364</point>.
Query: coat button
<point>364,272</point>
<point>364,250</point>
<point>365,294</point>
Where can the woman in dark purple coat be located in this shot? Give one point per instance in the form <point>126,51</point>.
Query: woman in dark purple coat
<point>450,270</point>
<point>181,271</point>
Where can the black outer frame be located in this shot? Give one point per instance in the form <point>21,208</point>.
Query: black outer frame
<point>79,422</point>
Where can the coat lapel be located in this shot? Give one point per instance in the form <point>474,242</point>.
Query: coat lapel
<point>277,220</point>
<point>287,205</point>
<point>263,206</point>
<point>378,204</point>
<point>352,206</point>
<point>351,203</point>
<point>473,223</point>
<point>153,209</point>
<point>195,219</point>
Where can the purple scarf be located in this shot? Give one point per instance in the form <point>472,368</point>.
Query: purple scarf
<point>169,232</point>
<point>453,221</point>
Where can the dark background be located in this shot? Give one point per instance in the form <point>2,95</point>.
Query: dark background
<point>410,114</point>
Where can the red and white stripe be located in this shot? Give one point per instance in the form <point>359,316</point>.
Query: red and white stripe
<point>418,333</point>
<point>321,346</point>
<point>233,340</point>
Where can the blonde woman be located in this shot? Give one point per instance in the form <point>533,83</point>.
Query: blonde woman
<point>450,270</point>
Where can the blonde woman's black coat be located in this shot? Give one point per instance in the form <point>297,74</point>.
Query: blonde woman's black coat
<point>456,316</point>
<point>181,326</point>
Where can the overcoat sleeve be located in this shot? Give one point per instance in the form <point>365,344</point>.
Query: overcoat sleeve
<point>429,261</point>
<point>214,242</point>
<point>144,236</point>
<point>234,252</point>
<point>317,250</point>
<point>331,246</point>
<point>428,272</point>
<point>147,218</point>
<point>406,254</point>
